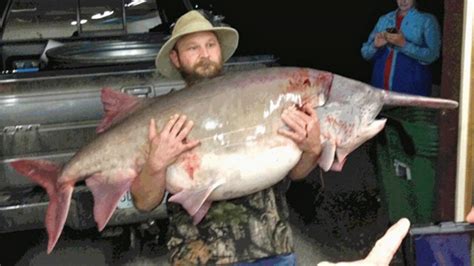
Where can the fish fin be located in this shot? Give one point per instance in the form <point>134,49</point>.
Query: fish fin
<point>193,199</point>
<point>373,129</point>
<point>117,106</point>
<point>107,195</point>
<point>326,158</point>
<point>201,212</point>
<point>337,166</point>
<point>45,174</point>
<point>56,214</point>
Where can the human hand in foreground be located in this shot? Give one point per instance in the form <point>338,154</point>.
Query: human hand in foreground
<point>470,216</point>
<point>384,249</point>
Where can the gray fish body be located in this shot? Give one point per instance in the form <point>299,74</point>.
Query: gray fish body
<point>236,118</point>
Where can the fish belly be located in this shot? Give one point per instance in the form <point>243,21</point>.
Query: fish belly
<point>238,173</point>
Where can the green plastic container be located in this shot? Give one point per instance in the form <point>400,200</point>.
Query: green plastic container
<point>407,151</point>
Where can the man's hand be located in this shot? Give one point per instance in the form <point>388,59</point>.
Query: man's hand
<point>395,38</point>
<point>166,147</point>
<point>304,131</point>
<point>149,187</point>
<point>304,128</point>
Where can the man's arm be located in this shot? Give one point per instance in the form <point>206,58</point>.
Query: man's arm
<point>306,164</point>
<point>149,187</point>
<point>304,131</point>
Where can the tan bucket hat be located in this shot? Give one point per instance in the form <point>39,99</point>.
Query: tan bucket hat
<point>188,23</point>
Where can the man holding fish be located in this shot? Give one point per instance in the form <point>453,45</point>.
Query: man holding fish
<point>249,230</point>
<point>228,172</point>
<point>252,228</point>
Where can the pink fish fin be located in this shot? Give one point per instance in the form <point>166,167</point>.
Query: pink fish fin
<point>45,174</point>
<point>327,155</point>
<point>337,166</point>
<point>107,194</point>
<point>117,106</point>
<point>56,214</point>
<point>193,198</point>
<point>201,212</point>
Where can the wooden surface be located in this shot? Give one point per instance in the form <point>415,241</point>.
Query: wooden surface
<point>448,122</point>
<point>470,143</point>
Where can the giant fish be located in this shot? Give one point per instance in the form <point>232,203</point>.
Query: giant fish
<point>236,117</point>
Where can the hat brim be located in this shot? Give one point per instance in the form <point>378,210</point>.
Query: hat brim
<point>228,39</point>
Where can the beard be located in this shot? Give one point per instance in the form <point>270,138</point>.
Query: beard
<point>204,69</point>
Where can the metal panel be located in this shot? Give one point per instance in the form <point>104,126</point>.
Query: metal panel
<point>18,213</point>
<point>71,99</point>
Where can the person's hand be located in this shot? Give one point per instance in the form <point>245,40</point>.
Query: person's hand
<point>171,142</point>
<point>380,40</point>
<point>395,38</point>
<point>303,128</point>
<point>384,249</point>
<point>470,216</point>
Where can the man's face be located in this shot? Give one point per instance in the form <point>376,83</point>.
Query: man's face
<point>405,5</point>
<point>198,55</point>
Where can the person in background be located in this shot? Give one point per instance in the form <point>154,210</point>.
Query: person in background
<point>402,46</point>
<point>251,230</point>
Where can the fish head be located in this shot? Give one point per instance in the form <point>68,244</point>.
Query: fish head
<point>347,120</point>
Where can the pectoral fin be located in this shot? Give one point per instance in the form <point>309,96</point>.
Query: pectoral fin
<point>201,212</point>
<point>337,166</point>
<point>193,199</point>
<point>327,155</point>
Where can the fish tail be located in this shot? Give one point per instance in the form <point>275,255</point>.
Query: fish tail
<point>45,174</point>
